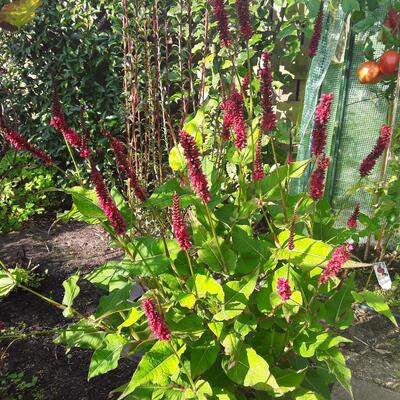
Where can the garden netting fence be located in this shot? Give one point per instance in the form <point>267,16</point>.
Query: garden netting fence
<point>358,111</point>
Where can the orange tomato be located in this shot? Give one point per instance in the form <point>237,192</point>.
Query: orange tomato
<point>389,62</point>
<point>369,72</point>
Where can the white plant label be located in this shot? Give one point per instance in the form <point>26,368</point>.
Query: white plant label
<point>382,275</point>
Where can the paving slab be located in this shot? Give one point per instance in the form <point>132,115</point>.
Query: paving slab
<point>364,390</point>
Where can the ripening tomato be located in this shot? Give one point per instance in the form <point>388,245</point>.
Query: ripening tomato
<point>369,72</point>
<point>389,62</point>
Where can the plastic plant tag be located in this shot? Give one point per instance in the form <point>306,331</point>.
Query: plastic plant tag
<point>382,275</point>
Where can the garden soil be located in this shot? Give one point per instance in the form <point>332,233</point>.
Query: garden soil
<point>373,356</point>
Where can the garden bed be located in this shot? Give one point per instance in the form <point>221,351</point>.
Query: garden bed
<point>373,356</point>
<point>70,247</point>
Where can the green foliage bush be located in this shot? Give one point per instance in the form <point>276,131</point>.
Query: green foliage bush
<point>23,184</point>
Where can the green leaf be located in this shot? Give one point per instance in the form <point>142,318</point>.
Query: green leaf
<point>82,334</point>
<point>18,13</point>
<point>309,343</point>
<point>203,354</point>
<point>109,276</point>
<point>336,363</point>
<point>150,258</point>
<point>245,324</point>
<point>251,251</point>
<point>350,5</point>
<point>218,256</point>
<point>337,309</point>
<point>307,253</point>
<point>176,158</point>
<point>116,301</point>
<point>187,300</point>
<point>86,202</point>
<point>237,294</point>
<point>270,184</point>
<point>71,292</point>
<point>377,302</point>
<point>162,196</point>
<point>287,31</point>
<point>195,126</point>
<point>245,367</point>
<point>159,363</point>
<point>287,379</point>
<point>7,284</point>
<point>133,317</point>
<point>206,285</point>
<point>106,358</point>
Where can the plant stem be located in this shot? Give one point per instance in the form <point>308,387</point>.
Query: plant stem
<point>73,161</point>
<point>189,376</point>
<point>215,238</point>
<point>279,181</point>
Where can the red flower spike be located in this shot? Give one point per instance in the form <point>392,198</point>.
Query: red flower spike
<point>106,202</point>
<point>283,288</point>
<point>245,84</point>
<point>58,117</point>
<point>339,257</point>
<point>234,118</point>
<point>227,123</point>
<point>20,142</point>
<point>352,221</point>
<point>196,175</point>
<point>292,230</point>
<point>125,166</point>
<point>156,321</point>
<point>243,14</point>
<point>84,152</point>
<point>317,182</point>
<point>317,31</point>
<point>258,170</point>
<point>268,123</point>
<point>322,114</point>
<point>383,141</point>
<point>179,227</point>
<point>222,21</point>
<point>72,137</point>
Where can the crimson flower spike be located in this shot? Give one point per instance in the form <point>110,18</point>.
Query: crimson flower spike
<point>125,166</point>
<point>317,181</point>
<point>106,202</point>
<point>382,142</point>
<point>268,123</point>
<point>179,227</point>
<point>283,288</point>
<point>258,170</point>
<point>196,175</point>
<point>222,21</point>
<point>156,321</point>
<point>352,221</point>
<point>292,229</point>
<point>339,257</point>
<point>317,31</point>
<point>84,151</point>
<point>58,121</point>
<point>243,13</point>
<point>322,115</point>
<point>20,142</point>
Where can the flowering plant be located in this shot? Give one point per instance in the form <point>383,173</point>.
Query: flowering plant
<point>228,293</point>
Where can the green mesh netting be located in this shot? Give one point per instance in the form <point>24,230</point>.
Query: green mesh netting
<point>358,113</point>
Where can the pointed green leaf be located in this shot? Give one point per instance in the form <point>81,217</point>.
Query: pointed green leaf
<point>237,294</point>
<point>245,367</point>
<point>107,356</point>
<point>71,292</point>
<point>159,363</point>
<point>377,302</point>
<point>336,363</point>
